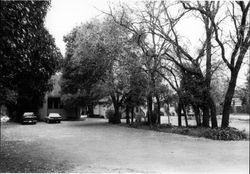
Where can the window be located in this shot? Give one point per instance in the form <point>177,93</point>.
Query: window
<point>54,103</point>
<point>50,103</point>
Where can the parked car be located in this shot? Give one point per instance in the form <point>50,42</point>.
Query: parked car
<point>4,118</point>
<point>83,117</point>
<point>53,117</point>
<point>29,117</point>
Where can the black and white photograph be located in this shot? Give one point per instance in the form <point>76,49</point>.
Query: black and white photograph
<point>124,86</point>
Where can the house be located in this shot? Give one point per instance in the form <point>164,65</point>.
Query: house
<point>52,102</point>
<point>236,105</point>
<point>102,106</point>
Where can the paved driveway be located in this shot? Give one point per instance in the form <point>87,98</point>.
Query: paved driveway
<point>96,146</point>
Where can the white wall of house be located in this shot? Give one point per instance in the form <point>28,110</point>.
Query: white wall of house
<point>100,109</point>
<point>3,110</point>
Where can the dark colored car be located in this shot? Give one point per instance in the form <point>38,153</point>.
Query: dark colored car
<point>53,117</point>
<point>29,117</point>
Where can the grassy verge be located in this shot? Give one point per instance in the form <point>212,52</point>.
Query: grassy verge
<point>210,133</point>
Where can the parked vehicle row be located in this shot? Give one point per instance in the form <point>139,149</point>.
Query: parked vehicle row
<point>31,118</point>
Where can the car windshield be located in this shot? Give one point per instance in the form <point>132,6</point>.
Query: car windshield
<point>28,114</point>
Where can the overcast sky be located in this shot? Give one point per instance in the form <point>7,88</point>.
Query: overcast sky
<point>66,14</point>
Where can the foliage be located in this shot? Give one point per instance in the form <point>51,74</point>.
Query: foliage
<point>98,54</point>
<point>236,15</point>
<point>226,134</point>
<point>28,53</point>
<point>218,88</point>
<point>85,65</point>
<point>192,88</point>
<point>212,133</point>
<point>110,114</point>
<point>44,61</point>
<point>19,21</point>
<point>248,91</point>
<point>137,85</point>
<point>7,96</point>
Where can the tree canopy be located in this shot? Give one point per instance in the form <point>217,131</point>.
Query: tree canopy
<point>28,53</point>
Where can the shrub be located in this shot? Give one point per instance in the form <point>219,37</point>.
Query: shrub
<point>153,117</point>
<point>162,126</point>
<point>225,134</point>
<point>110,114</point>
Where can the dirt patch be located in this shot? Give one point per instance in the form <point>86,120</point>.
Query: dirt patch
<point>94,146</point>
<point>19,156</point>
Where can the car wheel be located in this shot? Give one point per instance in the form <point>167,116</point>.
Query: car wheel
<point>59,121</point>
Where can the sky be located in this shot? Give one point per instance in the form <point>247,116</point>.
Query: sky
<point>64,15</point>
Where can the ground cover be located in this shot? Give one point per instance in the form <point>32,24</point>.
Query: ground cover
<point>215,134</point>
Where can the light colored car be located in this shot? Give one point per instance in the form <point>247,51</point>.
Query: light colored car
<point>83,117</point>
<point>29,117</point>
<point>4,118</point>
<point>53,117</point>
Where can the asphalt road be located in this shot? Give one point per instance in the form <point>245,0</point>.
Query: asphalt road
<point>95,146</point>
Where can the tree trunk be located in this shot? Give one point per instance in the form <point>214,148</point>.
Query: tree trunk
<point>90,110</point>
<point>127,115</point>
<point>205,120</point>
<point>213,112</point>
<point>185,115</point>
<point>179,114</point>
<point>197,115</point>
<point>158,120</point>
<point>116,118</point>
<point>132,114</point>
<point>227,102</point>
<point>149,101</point>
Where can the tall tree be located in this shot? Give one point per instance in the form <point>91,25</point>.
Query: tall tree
<point>84,67</point>
<point>95,55</point>
<point>137,89</point>
<point>149,46</point>
<point>239,43</point>
<point>163,22</point>
<point>28,52</point>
